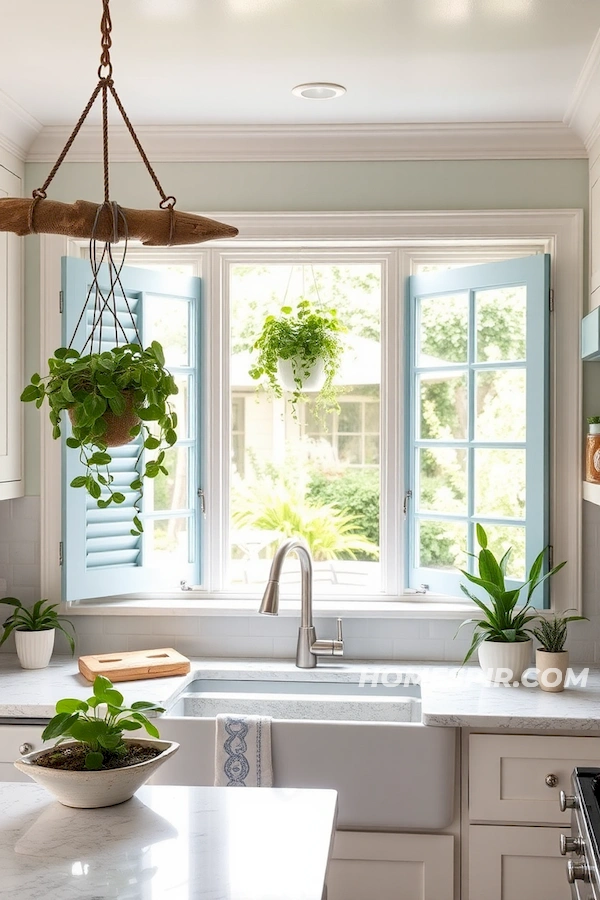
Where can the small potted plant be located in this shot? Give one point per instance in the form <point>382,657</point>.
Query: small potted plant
<point>98,766</point>
<point>551,659</point>
<point>111,397</point>
<point>35,630</point>
<point>592,450</point>
<point>300,352</point>
<point>502,636</point>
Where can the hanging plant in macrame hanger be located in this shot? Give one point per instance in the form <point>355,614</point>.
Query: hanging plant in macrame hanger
<point>113,389</point>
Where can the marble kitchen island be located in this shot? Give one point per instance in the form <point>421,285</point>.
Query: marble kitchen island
<point>167,843</point>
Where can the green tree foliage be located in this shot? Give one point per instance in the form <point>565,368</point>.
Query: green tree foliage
<point>356,492</point>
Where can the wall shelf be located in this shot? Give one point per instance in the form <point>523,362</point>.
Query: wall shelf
<point>591,492</point>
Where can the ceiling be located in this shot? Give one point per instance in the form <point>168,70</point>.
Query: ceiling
<point>225,62</point>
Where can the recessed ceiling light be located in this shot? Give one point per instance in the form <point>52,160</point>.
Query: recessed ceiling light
<point>319,90</point>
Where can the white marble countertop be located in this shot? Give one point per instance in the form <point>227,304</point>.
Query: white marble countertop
<point>172,843</point>
<point>450,696</point>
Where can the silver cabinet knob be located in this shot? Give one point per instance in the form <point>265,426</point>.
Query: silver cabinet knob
<point>25,748</point>
<point>577,871</point>
<point>566,802</point>
<point>551,780</point>
<point>571,845</point>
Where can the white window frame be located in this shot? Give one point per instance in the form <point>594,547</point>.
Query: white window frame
<point>403,239</point>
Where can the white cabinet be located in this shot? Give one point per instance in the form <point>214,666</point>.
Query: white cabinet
<point>514,863</point>
<point>594,220</point>
<point>15,741</point>
<point>391,867</point>
<point>11,352</point>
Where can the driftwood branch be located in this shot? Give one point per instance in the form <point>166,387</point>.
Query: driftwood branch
<point>150,226</point>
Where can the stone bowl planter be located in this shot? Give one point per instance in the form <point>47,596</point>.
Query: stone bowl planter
<point>93,789</point>
<point>501,661</point>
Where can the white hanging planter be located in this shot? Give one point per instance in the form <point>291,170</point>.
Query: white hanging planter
<point>503,661</point>
<point>34,648</point>
<point>313,382</point>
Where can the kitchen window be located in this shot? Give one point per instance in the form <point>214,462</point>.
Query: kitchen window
<point>367,435</point>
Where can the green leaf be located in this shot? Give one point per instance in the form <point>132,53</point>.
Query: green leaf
<point>117,404</point>
<point>113,697</point>
<point>101,686</point>
<point>66,392</point>
<point>71,706</point>
<point>158,352</point>
<point>118,497</point>
<point>138,523</point>
<point>126,725</point>
<point>100,459</point>
<point>481,536</point>
<point>58,725</point>
<point>79,481</point>
<point>94,760</point>
<point>73,443</point>
<point>151,443</point>
<point>151,413</point>
<point>30,393</point>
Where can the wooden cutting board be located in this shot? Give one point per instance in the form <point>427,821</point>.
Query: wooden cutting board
<point>134,665</point>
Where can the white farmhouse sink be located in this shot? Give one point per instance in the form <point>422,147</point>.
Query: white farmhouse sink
<point>390,771</point>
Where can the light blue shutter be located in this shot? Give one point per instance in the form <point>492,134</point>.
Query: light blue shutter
<point>462,287</point>
<point>100,556</point>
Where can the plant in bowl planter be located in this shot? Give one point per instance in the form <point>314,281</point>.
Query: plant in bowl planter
<point>551,659</point>
<point>111,398</point>
<point>502,636</point>
<point>35,630</point>
<point>300,352</point>
<point>98,766</point>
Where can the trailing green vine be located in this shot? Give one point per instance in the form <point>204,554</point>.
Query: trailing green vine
<point>302,338</point>
<point>92,386</point>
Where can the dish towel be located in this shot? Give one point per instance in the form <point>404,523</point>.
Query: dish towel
<point>243,752</point>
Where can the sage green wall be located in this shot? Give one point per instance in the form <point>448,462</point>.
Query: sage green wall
<point>323,186</point>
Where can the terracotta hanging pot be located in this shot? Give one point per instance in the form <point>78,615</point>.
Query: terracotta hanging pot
<point>118,428</point>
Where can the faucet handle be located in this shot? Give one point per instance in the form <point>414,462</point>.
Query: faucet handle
<point>340,636</point>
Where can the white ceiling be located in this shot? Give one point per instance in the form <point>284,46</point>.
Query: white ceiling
<point>235,61</point>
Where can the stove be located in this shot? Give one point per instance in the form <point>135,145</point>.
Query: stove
<point>582,845</point>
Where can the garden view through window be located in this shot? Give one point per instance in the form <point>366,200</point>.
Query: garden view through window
<point>314,475</point>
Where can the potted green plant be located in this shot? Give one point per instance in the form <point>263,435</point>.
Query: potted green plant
<point>300,352</point>
<point>35,630</point>
<point>502,636</point>
<point>98,766</point>
<point>111,397</point>
<point>551,659</point>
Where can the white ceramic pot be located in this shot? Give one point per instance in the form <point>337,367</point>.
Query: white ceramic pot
<point>313,382</point>
<point>503,661</point>
<point>552,669</point>
<point>90,790</point>
<point>34,648</point>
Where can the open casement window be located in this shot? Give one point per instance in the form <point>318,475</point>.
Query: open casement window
<point>100,556</point>
<point>477,395</point>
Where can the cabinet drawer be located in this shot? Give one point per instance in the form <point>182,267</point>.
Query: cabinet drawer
<point>507,776</point>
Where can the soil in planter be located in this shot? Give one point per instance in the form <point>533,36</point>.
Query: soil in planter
<point>73,758</point>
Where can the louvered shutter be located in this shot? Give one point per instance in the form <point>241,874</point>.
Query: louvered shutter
<point>100,556</point>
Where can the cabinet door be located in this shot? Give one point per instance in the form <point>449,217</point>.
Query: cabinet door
<point>391,867</point>
<point>15,741</point>
<point>11,352</point>
<point>513,863</point>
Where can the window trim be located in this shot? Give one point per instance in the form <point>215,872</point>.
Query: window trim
<point>558,232</point>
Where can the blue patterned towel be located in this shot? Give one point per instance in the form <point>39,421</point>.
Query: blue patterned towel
<point>243,752</point>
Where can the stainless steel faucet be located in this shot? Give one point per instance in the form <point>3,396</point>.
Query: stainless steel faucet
<point>309,648</point>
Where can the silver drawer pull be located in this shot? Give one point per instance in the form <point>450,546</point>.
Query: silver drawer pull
<point>551,780</point>
<point>25,748</point>
<point>566,802</point>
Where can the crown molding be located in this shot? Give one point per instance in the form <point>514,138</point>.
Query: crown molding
<point>297,143</point>
<point>18,129</point>
<point>583,111</point>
